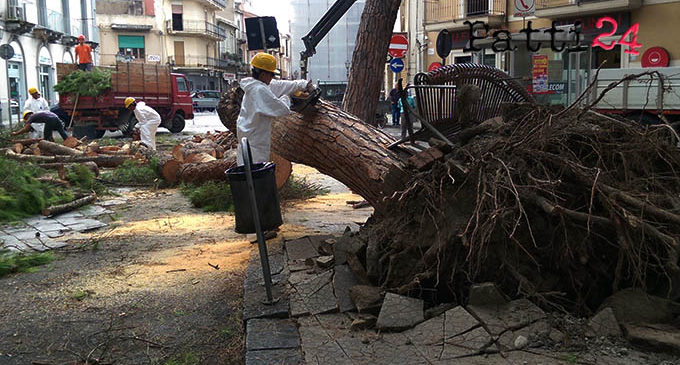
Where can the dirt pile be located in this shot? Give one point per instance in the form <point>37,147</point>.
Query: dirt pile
<point>561,207</point>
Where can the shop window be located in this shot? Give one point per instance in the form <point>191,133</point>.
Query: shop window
<point>462,59</point>
<point>612,56</point>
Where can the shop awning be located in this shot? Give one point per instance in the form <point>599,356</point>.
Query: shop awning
<point>130,41</point>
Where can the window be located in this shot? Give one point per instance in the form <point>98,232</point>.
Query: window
<point>135,7</point>
<point>132,46</point>
<point>181,85</point>
<point>177,17</point>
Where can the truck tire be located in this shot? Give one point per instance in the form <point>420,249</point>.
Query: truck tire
<point>177,124</point>
<point>100,133</point>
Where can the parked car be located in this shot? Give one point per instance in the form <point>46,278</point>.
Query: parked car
<point>14,106</point>
<point>206,100</point>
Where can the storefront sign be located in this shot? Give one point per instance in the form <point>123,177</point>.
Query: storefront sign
<point>229,76</point>
<point>539,74</point>
<point>557,87</point>
<point>153,58</point>
<point>655,57</point>
<point>579,32</point>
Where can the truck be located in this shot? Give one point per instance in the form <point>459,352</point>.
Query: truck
<point>640,99</point>
<point>165,91</point>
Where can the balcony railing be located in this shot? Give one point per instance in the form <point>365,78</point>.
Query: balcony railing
<point>205,62</point>
<point>197,27</point>
<point>448,10</point>
<point>217,3</point>
<point>546,4</point>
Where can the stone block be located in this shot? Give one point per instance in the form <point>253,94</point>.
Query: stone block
<point>399,312</point>
<point>458,321</point>
<point>633,305</point>
<point>486,294</point>
<point>112,202</point>
<point>324,261</point>
<point>300,249</point>
<point>343,280</point>
<point>86,224</point>
<point>278,356</point>
<point>316,294</point>
<point>94,211</point>
<point>659,337</point>
<point>510,316</point>
<point>604,323</point>
<point>263,334</point>
<point>366,297</point>
<point>468,343</point>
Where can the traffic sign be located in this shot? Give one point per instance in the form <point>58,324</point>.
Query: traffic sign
<point>398,46</point>
<point>434,66</point>
<point>396,65</point>
<point>524,8</point>
<point>444,43</point>
<point>6,51</point>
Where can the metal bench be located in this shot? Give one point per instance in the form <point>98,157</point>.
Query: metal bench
<point>437,94</point>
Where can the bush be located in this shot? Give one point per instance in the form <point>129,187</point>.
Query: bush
<point>210,196</point>
<point>22,195</point>
<point>297,188</point>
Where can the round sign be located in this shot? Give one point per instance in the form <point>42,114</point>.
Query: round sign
<point>398,46</point>
<point>6,51</point>
<point>434,66</point>
<point>655,57</point>
<point>444,43</point>
<point>396,65</point>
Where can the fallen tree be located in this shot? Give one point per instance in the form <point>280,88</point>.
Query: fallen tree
<point>101,160</point>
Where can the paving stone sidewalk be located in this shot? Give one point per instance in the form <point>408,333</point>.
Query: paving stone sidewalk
<point>40,233</point>
<point>315,320</point>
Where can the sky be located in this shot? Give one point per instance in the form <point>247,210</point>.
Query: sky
<point>277,8</point>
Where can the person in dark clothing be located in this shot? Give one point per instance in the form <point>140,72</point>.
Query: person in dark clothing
<point>394,98</point>
<point>51,121</point>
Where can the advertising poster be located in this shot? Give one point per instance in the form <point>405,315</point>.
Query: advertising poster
<point>539,74</point>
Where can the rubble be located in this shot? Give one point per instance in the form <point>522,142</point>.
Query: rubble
<point>604,323</point>
<point>399,312</point>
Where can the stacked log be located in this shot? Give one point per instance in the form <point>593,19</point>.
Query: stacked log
<point>72,150</point>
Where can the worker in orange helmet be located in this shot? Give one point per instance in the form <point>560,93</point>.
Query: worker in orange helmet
<point>83,54</point>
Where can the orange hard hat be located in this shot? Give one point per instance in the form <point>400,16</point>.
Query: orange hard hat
<point>82,37</point>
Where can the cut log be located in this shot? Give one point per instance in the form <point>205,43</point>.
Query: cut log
<point>63,208</point>
<point>283,169</point>
<point>169,170</point>
<point>101,161</point>
<point>199,158</point>
<point>27,142</point>
<point>54,181</point>
<point>197,173</point>
<point>51,148</point>
<point>72,142</point>
<point>182,150</point>
<point>335,143</point>
<point>63,168</point>
<point>18,147</point>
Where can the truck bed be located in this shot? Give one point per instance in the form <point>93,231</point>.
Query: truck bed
<point>641,93</point>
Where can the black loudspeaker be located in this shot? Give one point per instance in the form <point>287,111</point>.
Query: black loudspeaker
<point>254,28</point>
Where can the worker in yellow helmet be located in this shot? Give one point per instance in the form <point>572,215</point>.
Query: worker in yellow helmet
<point>36,103</point>
<point>264,100</point>
<point>50,122</point>
<point>148,121</point>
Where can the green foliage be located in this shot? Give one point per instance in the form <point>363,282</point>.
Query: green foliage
<point>131,172</point>
<point>85,83</point>
<point>210,196</point>
<point>299,188</point>
<point>22,195</point>
<point>12,263</point>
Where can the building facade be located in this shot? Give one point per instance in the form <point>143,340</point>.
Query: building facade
<point>568,72</point>
<point>41,34</point>
<point>282,54</point>
<point>333,57</point>
<point>187,35</point>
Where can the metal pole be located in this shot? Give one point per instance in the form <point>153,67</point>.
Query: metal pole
<point>264,40</point>
<point>262,246</point>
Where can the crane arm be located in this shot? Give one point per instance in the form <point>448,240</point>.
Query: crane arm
<point>321,29</point>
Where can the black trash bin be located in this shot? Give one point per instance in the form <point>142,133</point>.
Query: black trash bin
<point>266,195</point>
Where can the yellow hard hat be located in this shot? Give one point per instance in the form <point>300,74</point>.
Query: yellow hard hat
<point>129,101</point>
<point>32,90</point>
<point>27,112</point>
<point>264,61</point>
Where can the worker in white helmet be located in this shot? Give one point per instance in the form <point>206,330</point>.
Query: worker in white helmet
<point>264,100</point>
<point>148,121</point>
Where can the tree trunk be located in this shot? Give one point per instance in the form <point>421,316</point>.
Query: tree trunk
<point>63,208</point>
<point>197,173</point>
<point>200,157</point>
<point>52,148</point>
<point>335,143</point>
<point>368,60</point>
<point>182,150</point>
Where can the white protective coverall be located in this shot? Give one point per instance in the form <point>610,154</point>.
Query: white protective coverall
<point>148,121</point>
<point>36,105</point>
<point>261,105</point>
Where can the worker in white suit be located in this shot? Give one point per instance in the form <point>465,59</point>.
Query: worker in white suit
<point>148,121</point>
<point>36,103</point>
<point>264,100</point>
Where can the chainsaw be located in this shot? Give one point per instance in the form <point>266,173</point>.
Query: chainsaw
<point>301,99</point>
